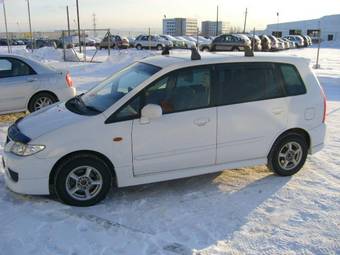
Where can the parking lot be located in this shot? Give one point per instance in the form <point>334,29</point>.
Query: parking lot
<point>239,211</point>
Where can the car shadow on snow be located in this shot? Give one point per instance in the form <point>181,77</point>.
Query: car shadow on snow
<point>180,216</point>
<point>191,213</point>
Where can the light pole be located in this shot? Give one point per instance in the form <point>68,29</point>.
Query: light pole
<point>29,22</point>
<point>217,21</point>
<point>5,17</point>
<point>78,25</point>
<point>245,21</point>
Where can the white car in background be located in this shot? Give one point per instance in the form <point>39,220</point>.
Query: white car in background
<point>297,39</point>
<point>189,44</point>
<point>168,117</point>
<point>26,84</point>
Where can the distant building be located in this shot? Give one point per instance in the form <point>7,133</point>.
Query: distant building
<point>329,25</point>
<point>179,26</point>
<point>209,28</point>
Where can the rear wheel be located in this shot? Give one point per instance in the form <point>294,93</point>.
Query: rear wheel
<point>159,47</point>
<point>139,47</point>
<point>288,155</point>
<point>83,180</point>
<point>205,49</point>
<point>41,100</point>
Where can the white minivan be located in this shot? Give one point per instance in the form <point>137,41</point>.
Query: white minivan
<point>168,117</point>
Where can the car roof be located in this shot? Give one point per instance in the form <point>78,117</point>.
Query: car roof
<point>183,59</point>
<point>40,68</point>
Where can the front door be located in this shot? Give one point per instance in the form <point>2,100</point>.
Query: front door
<point>185,136</point>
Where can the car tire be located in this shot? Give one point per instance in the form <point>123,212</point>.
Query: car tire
<point>75,178</point>
<point>159,47</point>
<point>288,154</point>
<point>139,47</point>
<point>41,100</point>
<point>205,49</point>
<point>235,49</point>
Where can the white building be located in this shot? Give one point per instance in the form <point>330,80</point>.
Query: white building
<point>180,26</point>
<point>329,26</point>
<point>209,28</point>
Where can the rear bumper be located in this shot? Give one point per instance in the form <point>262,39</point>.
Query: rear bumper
<point>66,94</point>
<point>317,137</point>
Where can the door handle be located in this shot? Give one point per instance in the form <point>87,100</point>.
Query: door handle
<point>277,111</point>
<point>201,122</point>
<point>31,79</point>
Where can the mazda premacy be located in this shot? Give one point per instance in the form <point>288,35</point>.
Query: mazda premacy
<point>167,117</point>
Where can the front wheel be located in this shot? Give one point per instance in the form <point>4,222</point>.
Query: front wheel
<point>83,180</point>
<point>288,155</point>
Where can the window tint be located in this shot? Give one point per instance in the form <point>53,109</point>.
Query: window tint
<point>12,67</point>
<point>240,83</point>
<point>292,80</point>
<point>129,111</point>
<point>182,90</point>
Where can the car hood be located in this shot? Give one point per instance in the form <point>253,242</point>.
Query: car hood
<point>47,119</point>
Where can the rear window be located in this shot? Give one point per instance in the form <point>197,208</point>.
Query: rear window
<point>241,83</point>
<point>292,80</point>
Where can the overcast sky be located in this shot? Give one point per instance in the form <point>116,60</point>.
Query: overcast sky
<point>49,15</point>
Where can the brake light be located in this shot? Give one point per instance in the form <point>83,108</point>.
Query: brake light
<point>324,106</point>
<point>69,81</point>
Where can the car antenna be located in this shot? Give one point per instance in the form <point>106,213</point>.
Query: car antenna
<point>195,54</point>
<point>166,50</point>
<point>249,51</point>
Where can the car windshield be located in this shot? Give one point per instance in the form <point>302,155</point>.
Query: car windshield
<point>171,38</point>
<point>108,92</point>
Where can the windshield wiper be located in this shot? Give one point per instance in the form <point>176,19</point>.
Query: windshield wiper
<point>92,108</point>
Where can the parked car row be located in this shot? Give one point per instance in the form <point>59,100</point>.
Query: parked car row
<point>239,42</point>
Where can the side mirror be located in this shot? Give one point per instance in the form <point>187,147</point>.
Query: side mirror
<point>149,112</point>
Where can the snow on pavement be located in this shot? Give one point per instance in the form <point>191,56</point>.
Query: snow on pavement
<point>242,211</point>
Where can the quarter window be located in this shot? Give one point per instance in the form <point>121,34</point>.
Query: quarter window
<point>292,80</point>
<point>240,83</point>
<point>13,67</point>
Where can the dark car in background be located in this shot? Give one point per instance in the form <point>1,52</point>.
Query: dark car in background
<point>227,42</point>
<point>39,43</point>
<point>115,41</point>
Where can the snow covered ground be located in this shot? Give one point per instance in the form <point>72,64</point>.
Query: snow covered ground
<point>241,211</point>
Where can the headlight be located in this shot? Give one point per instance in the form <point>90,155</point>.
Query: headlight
<point>21,149</point>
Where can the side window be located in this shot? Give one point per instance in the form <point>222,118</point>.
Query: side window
<point>181,91</point>
<point>5,68</point>
<point>241,83</point>
<point>129,111</point>
<point>292,80</point>
<point>219,39</point>
<point>12,67</point>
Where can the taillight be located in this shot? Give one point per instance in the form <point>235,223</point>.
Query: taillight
<point>324,106</point>
<point>69,81</point>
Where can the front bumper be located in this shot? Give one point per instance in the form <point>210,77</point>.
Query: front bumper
<point>33,174</point>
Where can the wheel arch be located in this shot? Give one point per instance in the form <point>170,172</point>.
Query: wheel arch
<point>38,92</point>
<point>53,172</point>
<point>297,131</point>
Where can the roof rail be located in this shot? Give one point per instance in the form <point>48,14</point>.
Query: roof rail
<point>195,55</point>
